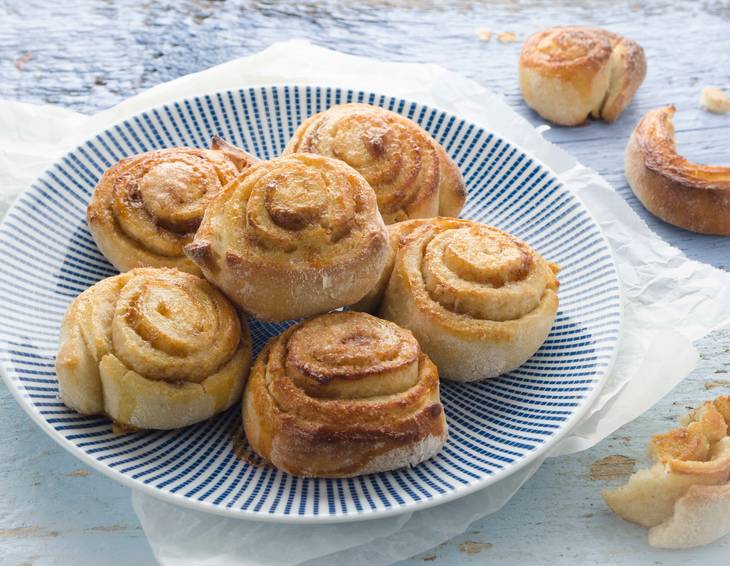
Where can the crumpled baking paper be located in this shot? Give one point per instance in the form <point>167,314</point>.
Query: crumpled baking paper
<point>669,301</point>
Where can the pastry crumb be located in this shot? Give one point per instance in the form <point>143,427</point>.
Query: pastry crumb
<point>484,34</point>
<point>714,100</point>
<point>23,60</point>
<point>507,37</point>
<point>77,474</point>
<point>472,547</point>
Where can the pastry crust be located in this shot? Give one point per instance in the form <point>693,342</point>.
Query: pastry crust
<point>683,498</point>
<point>570,73</point>
<point>147,207</point>
<point>152,348</point>
<point>479,301</point>
<point>689,195</point>
<point>292,237</point>
<point>343,394</point>
<point>701,516</point>
<point>411,174</point>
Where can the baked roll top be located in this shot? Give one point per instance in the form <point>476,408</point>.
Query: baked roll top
<point>344,394</point>
<point>479,300</point>
<point>152,349</point>
<point>411,174</point>
<point>147,207</point>
<point>570,73</point>
<point>292,237</point>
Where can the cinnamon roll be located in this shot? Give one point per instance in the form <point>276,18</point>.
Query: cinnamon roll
<point>411,174</point>
<point>292,237</point>
<point>479,301</point>
<point>343,394</point>
<point>570,73</point>
<point>152,348</point>
<point>147,207</point>
<point>689,195</point>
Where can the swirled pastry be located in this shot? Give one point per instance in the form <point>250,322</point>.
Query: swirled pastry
<point>343,394</point>
<point>292,237</point>
<point>569,73</point>
<point>479,301</point>
<point>147,207</point>
<point>689,195</point>
<point>152,348</point>
<point>685,496</point>
<point>411,174</point>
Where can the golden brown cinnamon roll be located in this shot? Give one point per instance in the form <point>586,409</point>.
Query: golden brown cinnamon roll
<point>479,301</point>
<point>569,73</point>
<point>293,236</point>
<point>411,174</point>
<point>147,207</point>
<point>343,394</point>
<point>689,195</point>
<point>152,348</point>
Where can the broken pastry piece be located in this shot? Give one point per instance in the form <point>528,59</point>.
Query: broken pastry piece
<point>684,498</point>
<point>690,195</point>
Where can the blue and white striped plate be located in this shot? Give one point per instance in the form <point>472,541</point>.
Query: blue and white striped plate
<point>47,257</point>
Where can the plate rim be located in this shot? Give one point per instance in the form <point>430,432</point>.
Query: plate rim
<point>364,515</point>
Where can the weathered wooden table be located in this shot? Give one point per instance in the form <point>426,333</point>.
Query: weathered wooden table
<point>88,55</point>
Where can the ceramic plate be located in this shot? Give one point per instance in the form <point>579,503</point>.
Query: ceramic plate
<point>47,257</point>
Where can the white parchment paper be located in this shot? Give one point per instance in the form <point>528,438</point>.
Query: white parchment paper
<point>669,300</point>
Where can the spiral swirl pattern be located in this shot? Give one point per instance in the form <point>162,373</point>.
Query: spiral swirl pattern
<point>153,348</point>
<point>569,73</point>
<point>147,207</point>
<point>411,174</point>
<point>463,287</point>
<point>292,237</point>
<point>343,394</point>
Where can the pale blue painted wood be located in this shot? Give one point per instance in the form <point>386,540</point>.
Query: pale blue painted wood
<point>51,512</point>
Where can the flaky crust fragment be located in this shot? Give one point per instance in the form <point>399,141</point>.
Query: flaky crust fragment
<point>479,301</point>
<point>146,208</point>
<point>411,173</point>
<point>689,195</point>
<point>683,498</point>
<point>343,394</point>
<point>570,73</point>
<point>152,348</point>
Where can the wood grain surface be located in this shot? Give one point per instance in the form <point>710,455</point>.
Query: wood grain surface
<point>88,55</point>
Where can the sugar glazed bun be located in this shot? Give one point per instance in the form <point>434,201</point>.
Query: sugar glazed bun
<point>411,174</point>
<point>479,301</point>
<point>570,73</point>
<point>152,348</point>
<point>292,237</point>
<point>344,394</point>
<point>147,207</point>
<point>689,195</point>
<point>684,498</point>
